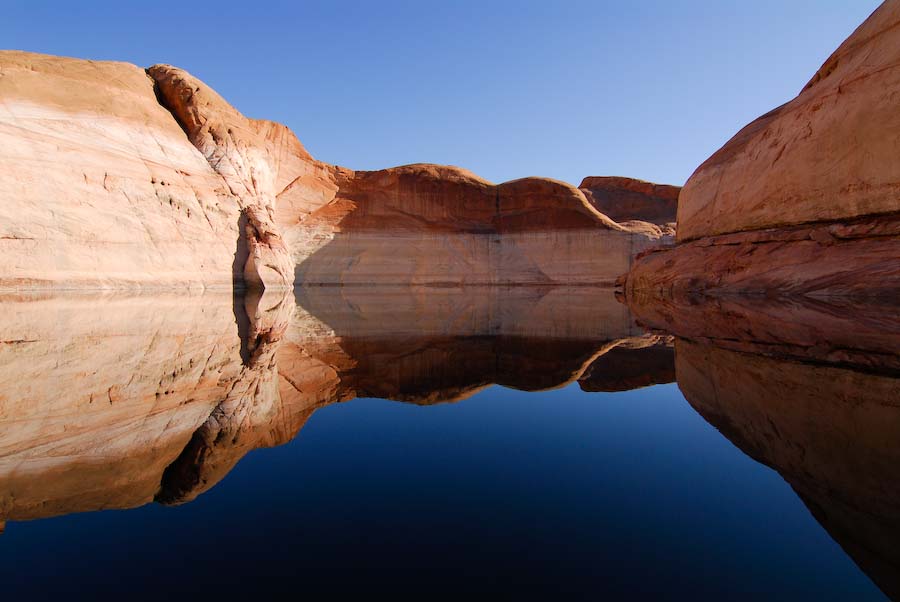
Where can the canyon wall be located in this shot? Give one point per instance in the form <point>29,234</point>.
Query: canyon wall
<point>624,199</point>
<point>120,177</point>
<point>804,200</point>
<point>428,224</point>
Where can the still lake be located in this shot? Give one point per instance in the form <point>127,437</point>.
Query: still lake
<point>179,447</point>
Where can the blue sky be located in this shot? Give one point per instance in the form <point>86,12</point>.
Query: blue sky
<point>646,88</point>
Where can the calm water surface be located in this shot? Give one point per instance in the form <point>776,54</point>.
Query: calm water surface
<point>558,482</point>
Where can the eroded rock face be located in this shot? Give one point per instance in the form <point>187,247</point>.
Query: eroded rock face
<point>805,199</point>
<point>100,186</point>
<point>624,199</point>
<point>257,160</point>
<point>119,177</point>
<point>827,155</point>
<point>427,224</point>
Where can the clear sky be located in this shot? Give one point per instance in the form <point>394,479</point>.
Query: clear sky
<point>641,88</point>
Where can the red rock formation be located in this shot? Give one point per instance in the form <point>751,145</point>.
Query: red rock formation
<point>117,177</point>
<point>804,200</point>
<point>852,259</point>
<point>428,224</point>
<point>624,199</point>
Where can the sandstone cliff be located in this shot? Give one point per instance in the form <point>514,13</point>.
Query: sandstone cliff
<point>120,177</point>
<point>624,199</point>
<point>428,224</point>
<point>805,199</point>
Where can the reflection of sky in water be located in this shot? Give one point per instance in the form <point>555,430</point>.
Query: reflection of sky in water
<point>558,492</point>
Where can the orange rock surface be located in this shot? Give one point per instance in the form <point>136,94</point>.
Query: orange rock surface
<point>804,200</point>
<point>120,177</point>
<point>428,224</point>
<point>827,155</point>
<point>624,199</point>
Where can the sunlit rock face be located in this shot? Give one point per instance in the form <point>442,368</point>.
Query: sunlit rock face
<point>257,160</point>
<point>100,186</point>
<point>428,224</point>
<point>120,177</point>
<point>158,398</point>
<point>804,199</point>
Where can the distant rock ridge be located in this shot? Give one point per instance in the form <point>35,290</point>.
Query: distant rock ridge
<point>121,177</point>
<point>624,199</point>
<point>806,199</point>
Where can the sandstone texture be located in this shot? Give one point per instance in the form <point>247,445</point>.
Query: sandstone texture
<point>436,225</point>
<point>804,200</point>
<point>100,186</point>
<point>121,177</point>
<point>623,199</point>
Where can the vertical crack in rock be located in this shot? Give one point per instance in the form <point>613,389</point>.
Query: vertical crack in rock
<point>240,152</point>
<point>244,419</point>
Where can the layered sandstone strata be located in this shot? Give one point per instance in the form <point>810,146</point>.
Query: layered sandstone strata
<point>103,188</point>
<point>120,177</point>
<point>805,199</point>
<point>428,224</point>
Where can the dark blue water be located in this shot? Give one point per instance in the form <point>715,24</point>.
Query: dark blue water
<point>557,494</point>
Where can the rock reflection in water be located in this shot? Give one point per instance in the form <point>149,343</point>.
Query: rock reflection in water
<point>157,398</point>
<point>811,388</point>
<point>114,402</point>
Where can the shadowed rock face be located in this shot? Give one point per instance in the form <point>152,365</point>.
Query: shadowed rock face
<point>632,364</point>
<point>624,199</point>
<point>160,398</point>
<point>804,200</point>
